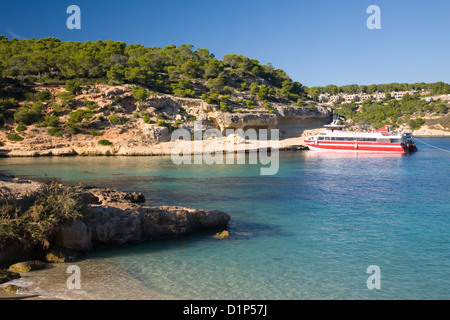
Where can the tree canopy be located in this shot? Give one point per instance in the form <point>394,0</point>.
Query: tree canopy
<point>159,69</point>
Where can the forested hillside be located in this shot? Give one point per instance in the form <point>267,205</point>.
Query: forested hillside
<point>181,71</point>
<point>434,88</point>
<point>412,111</point>
<point>53,86</point>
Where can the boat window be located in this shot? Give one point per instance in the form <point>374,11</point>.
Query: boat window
<point>395,140</point>
<point>327,138</point>
<point>320,138</point>
<point>366,139</point>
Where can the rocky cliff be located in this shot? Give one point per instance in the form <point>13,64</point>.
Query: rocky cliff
<point>115,123</point>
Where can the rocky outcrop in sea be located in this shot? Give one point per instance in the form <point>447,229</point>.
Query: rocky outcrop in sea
<point>116,219</point>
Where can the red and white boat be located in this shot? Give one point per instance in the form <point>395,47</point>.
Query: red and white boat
<point>334,138</point>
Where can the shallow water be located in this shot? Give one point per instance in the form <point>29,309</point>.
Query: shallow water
<point>309,232</point>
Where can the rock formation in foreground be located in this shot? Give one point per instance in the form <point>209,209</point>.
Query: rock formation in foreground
<point>114,219</point>
<point>117,221</point>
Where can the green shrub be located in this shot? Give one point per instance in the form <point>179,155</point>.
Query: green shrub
<point>254,88</point>
<point>139,94</point>
<point>50,121</point>
<point>224,107</point>
<point>8,104</point>
<point>415,124</point>
<point>263,93</point>
<point>216,85</point>
<point>73,127</point>
<point>250,104</point>
<point>95,133</point>
<point>161,123</point>
<point>147,119</point>
<point>114,119</point>
<point>79,115</point>
<point>184,93</point>
<point>91,105</point>
<point>227,89</point>
<point>14,137</point>
<point>55,132</point>
<point>73,86</point>
<point>44,95</point>
<point>183,88</point>
<point>65,96</point>
<point>118,100</point>
<point>269,108</point>
<point>105,142</point>
<point>29,115</point>
<point>57,107</point>
<point>79,118</point>
<point>21,128</point>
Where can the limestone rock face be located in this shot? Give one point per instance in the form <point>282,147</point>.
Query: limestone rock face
<point>156,133</point>
<point>115,226</point>
<point>76,236</point>
<point>242,121</point>
<point>116,221</point>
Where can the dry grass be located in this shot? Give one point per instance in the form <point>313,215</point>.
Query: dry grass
<point>33,219</point>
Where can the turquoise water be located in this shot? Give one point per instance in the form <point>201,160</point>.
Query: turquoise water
<point>309,232</point>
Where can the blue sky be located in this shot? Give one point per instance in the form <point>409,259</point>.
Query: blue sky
<point>317,42</point>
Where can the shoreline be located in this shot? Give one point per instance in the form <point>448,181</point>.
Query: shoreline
<point>221,145</point>
<point>14,296</point>
<point>50,283</point>
<point>162,149</point>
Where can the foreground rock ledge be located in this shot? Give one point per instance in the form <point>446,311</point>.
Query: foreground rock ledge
<point>115,221</point>
<point>116,226</point>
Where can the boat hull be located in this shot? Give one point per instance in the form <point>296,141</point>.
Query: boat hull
<point>356,147</point>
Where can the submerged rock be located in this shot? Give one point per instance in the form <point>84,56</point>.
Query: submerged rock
<point>12,288</point>
<point>135,197</point>
<point>59,255</point>
<point>6,275</point>
<point>222,235</point>
<point>27,266</point>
